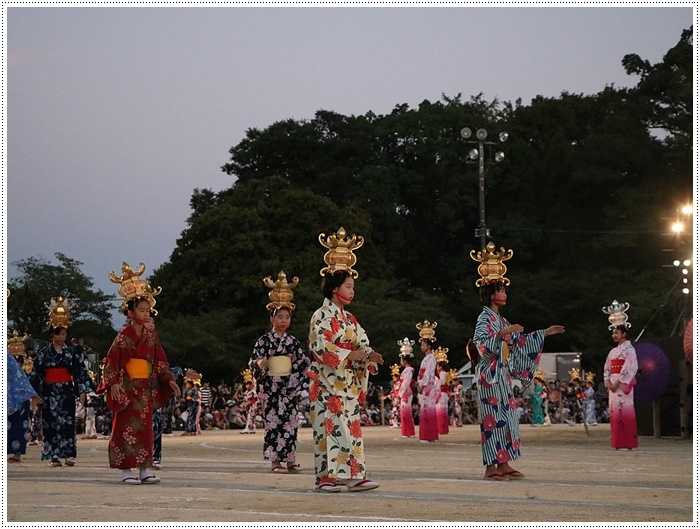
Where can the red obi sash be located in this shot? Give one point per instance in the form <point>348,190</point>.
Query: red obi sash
<point>55,375</point>
<point>616,366</point>
<point>445,388</point>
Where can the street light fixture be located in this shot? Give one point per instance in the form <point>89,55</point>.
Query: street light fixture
<point>478,153</point>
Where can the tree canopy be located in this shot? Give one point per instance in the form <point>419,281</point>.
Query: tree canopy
<point>41,280</point>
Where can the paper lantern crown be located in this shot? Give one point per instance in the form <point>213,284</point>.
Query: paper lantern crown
<point>542,375</point>
<point>617,314</point>
<point>491,267</point>
<point>395,369</point>
<point>247,375</point>
<point>192,376</point>
<point>427,330</point>
<point>339,257</point>
<point>441,355</point>
<point>281,294</point>
<point>133,287</point>
<point>16,344</point>
<point>406,348</point>
<point>59,312</point>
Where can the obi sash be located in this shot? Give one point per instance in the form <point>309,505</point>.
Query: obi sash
<point>138,368</point>
<point>445,388</point>
<point>616,366</point>
<point>55,375</point>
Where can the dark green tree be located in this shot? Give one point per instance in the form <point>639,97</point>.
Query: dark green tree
<point>41,280</point>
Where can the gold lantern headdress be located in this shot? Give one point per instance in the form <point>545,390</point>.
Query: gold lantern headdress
<point>590,376</point>
<point>406,348</point>
<point>192,376</point>
<point>281,294</point>
<point>491,269</point>
<point>16,344</point>
<point>451,375</point>
<point>59,312</point>
<point>133,287</point>
<point>441,355</point>
<point>427,330</point>
<point>542,375</point>
<point>247,375</point>
<point>339,257</point>
<point>574,374</point>
<point>617,314</point>
<point>395,370</point>
<point>28,365</point>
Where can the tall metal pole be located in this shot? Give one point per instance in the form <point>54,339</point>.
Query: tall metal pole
<point>482,197</point>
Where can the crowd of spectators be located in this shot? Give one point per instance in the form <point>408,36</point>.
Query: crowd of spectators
<point>224,408</point>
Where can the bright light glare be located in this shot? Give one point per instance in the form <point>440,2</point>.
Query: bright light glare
<point>686,262</point>
<point>676,263</point>
<point>686,291</point>
<point>687,210</point>
<point>677,227</point>
<point>685,271</point>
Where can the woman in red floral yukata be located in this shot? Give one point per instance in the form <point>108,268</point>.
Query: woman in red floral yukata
<point>137,380</point>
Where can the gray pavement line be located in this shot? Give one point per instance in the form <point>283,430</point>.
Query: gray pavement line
<point>94,508</point>
<point>540,501</point>
<point>562,484</point>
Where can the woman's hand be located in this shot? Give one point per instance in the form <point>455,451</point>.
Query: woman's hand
<point>357,355</point>
<point>374,356</point>
<point>510,329</point>
<point>554,329</point>
<point>117,391</point>
<point>173,385</point>
<point>263,363</point>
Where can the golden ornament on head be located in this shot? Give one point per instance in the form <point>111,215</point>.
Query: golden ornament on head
<point>339,257</point>
<point>281,294</point>
<point>451,375</point>
<point>574,374</point>
<point>247,375</point>
<point>59,312</point>
<point>395,370</point>
<point>406,347</point>
<point>590,376</point>
<point>192,376</point>
<point>28,365</point>
<point>427,330</point>
<point>16,344</point>
<point>491,269</point>
<point>441,355</point>
<point>617,314</point>
<point>542,375</point>
<point>133,287</point>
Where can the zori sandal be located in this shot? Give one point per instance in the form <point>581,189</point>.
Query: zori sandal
<point>294,467</point>
<point>131,480</point>
<point>148,480</point>
<point>327,485</point>
<point>355,485</point>
<point>278,470</point>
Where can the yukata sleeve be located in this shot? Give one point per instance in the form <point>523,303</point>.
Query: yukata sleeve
<point>114,365</point>
<point>36,377</point>
<point>629,371</point>
<point>486,336</point>
<point>606,368</point>
<point>321,340</point>
<point>524,354</point>
<point>300,365</point>
<point>363,343</point>
<point>81,376</point>
<point>260,350</point>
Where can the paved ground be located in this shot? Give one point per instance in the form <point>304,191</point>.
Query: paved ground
<point>220,477</point>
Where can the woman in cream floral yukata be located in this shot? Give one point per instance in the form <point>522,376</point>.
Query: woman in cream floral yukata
<point>341,364</point>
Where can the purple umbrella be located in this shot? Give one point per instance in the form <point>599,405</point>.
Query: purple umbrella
<point>653,374</point>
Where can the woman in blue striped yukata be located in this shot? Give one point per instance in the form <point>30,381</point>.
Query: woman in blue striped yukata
<point>505,352</point>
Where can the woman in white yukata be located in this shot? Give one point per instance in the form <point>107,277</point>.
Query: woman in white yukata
<point>340,367</point>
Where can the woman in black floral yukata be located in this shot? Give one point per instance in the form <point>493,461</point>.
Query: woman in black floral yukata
<point>279,363</point>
